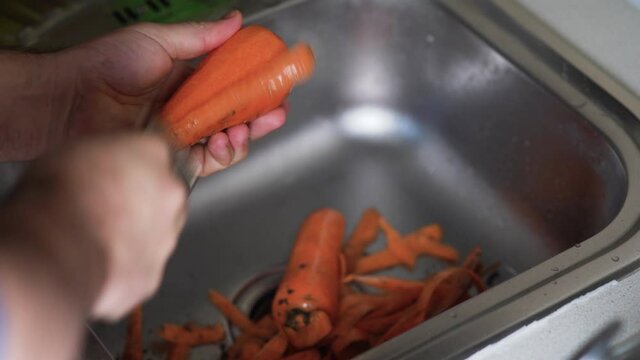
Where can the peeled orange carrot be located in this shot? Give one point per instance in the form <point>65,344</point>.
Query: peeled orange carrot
<point>242,54</point>
<point>249,75</point>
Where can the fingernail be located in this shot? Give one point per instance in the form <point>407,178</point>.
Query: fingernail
<point>230,14</point>
<point>231,155</point>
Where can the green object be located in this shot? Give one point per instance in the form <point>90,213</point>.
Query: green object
<point>46,25</point>
<point>166,11</point>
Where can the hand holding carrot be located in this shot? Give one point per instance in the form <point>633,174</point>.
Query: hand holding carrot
<point>116,82</point>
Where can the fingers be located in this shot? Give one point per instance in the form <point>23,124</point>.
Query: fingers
<point>231,146</point>
<point>188,40</point>
<point>267,123</point>
<point>222,150</point>
<point>239,139</point>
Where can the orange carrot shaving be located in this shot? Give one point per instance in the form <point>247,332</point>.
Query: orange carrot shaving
<point>268,324</point>
<point>245,347</point>
<point>350,344</point>
<point>385,259</point>
<point>394,302</point>
<point>311,354</point>
<point>387,283</point>
<point>364,234</point>
<point>236,316</point>
<point>179,352</point>
<point>380,324</point>
<point>274,348</point>
<point>351,316</point>
<point>432,232</point>
<point>192,335</point>
<point>423,245</point>
<point>133,344</point>
<point>397,246</point>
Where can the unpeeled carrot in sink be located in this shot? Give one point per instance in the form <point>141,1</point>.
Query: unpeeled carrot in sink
<point>247,76</point>
<point>306,303</point>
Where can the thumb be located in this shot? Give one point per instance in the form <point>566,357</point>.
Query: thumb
<point>185,41</point>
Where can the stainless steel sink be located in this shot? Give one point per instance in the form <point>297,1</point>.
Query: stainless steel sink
<point>413,112</point>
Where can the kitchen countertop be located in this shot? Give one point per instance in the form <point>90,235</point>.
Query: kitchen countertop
<point>597,37</point>
<point>561,334</point>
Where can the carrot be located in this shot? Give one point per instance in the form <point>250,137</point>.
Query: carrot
<point>433,232</point>
<point>385,259</point>
<point>236,316</point>
<point>423,245</point>
<point>192,335</point>
<point>363,235</point>
<point>311,354</point>
<point>268,324</point>
<point>306,303</point>
<point>242,54</point>
<point>274,348</point>
<point>245,347</point>
<point>396,245</point>
<point>380,324</point>
<point>426,305</point>
<point>352,315</point>
<point>350,344</point>
<point>245,99</point>
<point>133,343</point>
<point>472,260</point>
<point>356,299</point>
<point>387,283</point>
<point>179,352</point>
<point>394,302</point>
<point>377,261</point>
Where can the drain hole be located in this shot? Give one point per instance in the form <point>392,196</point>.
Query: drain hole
<point>255,295</point>
<point>262,306</point>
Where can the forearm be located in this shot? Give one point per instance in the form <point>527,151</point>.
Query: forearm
<point>43,320</point>
<point>35,95</point>
<point>47,286</point>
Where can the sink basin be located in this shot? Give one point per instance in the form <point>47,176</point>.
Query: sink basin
<point>414,113</point>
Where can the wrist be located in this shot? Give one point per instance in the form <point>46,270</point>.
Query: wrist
<point>36,304</point>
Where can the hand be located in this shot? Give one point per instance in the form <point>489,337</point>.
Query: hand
<point>129,74</point>
<point>94,208</point>
<point>116,82</point>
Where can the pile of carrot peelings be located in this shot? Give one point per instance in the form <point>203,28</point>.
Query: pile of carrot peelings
<point>329,305</point>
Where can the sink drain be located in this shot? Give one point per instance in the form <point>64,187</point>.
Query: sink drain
<point>255,295</point>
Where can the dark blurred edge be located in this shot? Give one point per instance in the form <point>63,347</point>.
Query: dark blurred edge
<point>49,25</point>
